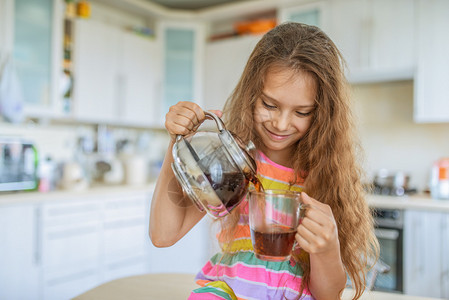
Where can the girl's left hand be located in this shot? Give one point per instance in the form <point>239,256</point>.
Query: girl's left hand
<point>317,233</point>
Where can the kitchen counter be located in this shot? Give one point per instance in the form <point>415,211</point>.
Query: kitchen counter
<point>418,202</point>
<point>67,195</point>
<point>179,286</point>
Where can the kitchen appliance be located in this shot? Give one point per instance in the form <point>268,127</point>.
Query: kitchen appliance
<point>389,225</point>
<point>439,179</point>
<point>213,168</point>
<point>392,183</point>
<point>18,165</point>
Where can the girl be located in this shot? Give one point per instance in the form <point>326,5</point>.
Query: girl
<point>292,102</point>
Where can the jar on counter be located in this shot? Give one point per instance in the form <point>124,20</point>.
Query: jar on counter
<point>439,180</point>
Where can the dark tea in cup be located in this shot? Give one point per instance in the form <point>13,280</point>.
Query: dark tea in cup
<point>274,216</point>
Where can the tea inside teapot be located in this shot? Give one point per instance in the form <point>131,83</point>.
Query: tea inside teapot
<point>213,168</point>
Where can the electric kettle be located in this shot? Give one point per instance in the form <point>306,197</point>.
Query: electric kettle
<point>214,168</point>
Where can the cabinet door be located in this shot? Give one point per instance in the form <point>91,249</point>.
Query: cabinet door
<point>444,237</point>
<point>125,236</point>
<point>310,13</point>
<point>431,92</point>
<point>422,253</point>
<point>96,65</point>
<point>71,247</point>
<point>224,64</point>
<point>141,80</point>
<point>188,255</point>
<point>376,38</point>
<point>20,252</point>
<point>183,50</point>
<point>36,40</point>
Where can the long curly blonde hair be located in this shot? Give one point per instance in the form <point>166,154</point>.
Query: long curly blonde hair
<point>329,152</point>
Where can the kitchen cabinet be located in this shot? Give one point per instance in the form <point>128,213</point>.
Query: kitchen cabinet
<point>224,63</point>
<point>376,38</point>
<point>125,236</point>
<point>425,253</point>
<point>20,252</point>
<point>431,95</point>
<point>71,246</point>
<point>37,28</point>
<point>188,255</point>
<point>183,52</point>
<point>444,293</point>
<point>314,13</point>
<point>117,75</point>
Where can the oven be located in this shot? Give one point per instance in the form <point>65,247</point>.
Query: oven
<point>389,231</point>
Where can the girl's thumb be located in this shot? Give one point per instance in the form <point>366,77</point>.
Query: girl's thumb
<point>219,113</point>
<point>306,199</point>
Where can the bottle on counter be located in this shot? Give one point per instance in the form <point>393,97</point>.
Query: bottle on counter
<point>439,179</point>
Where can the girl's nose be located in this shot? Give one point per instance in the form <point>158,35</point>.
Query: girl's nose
<point>281,121</point>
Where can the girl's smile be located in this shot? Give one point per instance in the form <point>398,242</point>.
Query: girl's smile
<point>283,113</point>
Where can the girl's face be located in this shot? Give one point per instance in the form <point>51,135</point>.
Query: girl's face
<point>283,113</point>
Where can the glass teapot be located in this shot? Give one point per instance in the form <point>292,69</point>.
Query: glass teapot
<point>214,168</point>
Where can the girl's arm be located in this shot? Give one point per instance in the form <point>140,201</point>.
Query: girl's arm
<point>318,235</point>
<point>172,213</point>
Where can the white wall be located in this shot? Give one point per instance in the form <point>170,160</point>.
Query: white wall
<point>390,137</point>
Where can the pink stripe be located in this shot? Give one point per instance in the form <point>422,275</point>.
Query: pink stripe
<point>255,274</point>
<point>275,164</point>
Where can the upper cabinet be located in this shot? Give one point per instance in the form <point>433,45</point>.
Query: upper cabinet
<point>376,38</point>
<point>36,29</point>
<point>432,74</point>
<point>116,75</point>
<point>224,63</point>
<point>314,13</point>
<point>182,56</point>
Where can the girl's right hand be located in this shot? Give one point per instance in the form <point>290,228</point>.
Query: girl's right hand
<point>184,118</point>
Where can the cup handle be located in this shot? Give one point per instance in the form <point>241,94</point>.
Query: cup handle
<point>302,210</point>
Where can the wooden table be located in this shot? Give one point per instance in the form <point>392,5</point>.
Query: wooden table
<point>178,286</point>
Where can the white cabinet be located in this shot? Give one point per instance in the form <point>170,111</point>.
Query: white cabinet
<point>116,75</point>
<point>376,38</point>
<point>141,81</point>
<point>188,255</point>
<point>426,264</point>
<point>182,56</point>
<point>445,256</point>
<point>71,242</point>
<point>20,252</point>
<point>431,92</point>
<point>125,236</point>
<point>312,13</point>
<point>36,31</point>
<point>224,64</point>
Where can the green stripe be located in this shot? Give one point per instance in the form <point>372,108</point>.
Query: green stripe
<point>212,290</point>
<point>248,258</point>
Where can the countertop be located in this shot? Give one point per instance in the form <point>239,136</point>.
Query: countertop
<point>179,286</point>
<point>417,201</point>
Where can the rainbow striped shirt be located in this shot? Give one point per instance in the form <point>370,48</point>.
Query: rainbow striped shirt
<point>242,275</point>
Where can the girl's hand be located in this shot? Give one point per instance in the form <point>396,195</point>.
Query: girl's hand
<point>184,118</point>
<point>317,233</point>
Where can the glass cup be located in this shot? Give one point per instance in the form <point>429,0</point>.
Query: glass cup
<point>274,216</point>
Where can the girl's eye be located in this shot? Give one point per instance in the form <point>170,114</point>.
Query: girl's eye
<point>267,105</point>
<point>301,114</point>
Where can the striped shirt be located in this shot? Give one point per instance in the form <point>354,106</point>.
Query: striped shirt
<point>242,275</point>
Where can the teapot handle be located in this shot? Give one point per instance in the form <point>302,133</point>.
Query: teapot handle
<point>211,116</point>
<point>214,117</point>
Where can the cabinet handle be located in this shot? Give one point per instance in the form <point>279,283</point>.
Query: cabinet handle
<point>37,235</point>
